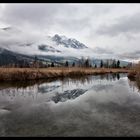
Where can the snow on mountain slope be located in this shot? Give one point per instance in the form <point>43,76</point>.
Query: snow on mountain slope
<point>22,42</point>
<point>68,42</point>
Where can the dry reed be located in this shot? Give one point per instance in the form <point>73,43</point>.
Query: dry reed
<point>23,74</point>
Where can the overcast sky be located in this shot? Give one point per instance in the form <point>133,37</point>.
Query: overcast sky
<point>110,28</point>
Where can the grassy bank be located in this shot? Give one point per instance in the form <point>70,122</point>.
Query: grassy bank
<point>20,74</point>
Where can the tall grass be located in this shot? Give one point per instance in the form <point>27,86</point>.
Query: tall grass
<point>24,74</point>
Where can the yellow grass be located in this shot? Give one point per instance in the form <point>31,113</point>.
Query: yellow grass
<point>9,74</point>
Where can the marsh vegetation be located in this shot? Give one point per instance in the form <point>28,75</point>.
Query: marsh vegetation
<point>20,74</point>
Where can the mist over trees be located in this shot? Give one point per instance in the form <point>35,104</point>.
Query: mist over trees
<point>37,62</point>
<point>109,63</point>
<point>84,62</point>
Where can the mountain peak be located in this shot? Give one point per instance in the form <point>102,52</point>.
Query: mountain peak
<point>68,42</point>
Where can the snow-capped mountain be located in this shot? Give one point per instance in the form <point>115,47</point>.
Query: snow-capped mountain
<point>16,44</point>
<point>35,44</point>
<point>68,42</point>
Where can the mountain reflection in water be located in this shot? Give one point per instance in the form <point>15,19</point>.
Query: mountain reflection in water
<point>60,90</point>
<point>68,94</point>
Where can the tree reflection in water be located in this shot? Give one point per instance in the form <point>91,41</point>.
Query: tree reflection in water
<point>134,84</point>
<point>64,88</point>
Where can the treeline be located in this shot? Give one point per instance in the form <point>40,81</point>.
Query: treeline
<point>83,62</point>
<point>110,64</point>
<point>103,64</point>
<point>37,63</point>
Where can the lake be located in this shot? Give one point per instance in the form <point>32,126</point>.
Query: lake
<point>101,105</point>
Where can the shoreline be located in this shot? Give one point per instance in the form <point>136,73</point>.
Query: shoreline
<point>24,74</point>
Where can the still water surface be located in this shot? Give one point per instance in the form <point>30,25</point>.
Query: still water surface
<point>103,105</point>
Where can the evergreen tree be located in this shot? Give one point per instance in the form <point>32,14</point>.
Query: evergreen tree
<point>118,64</point>
<point>52,64</point>
<point>67,64</point>
<point>101,64</point>
<point>87,63</point>
<point>73,64</point>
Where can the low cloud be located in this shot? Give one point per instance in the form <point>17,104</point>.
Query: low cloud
<point>131,55</point>
<point>100,50</point>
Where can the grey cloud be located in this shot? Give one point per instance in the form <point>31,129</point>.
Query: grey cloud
<point>75,24</point>
<point>34,14</point>
<point>67,16</point>
<point>100,50</point>
<point>131,55</point>
<point>124,25</point>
